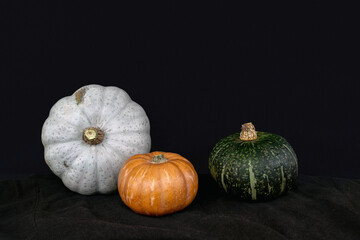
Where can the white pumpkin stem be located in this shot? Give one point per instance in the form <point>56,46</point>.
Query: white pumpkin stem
<point>159,158</point>
<point>248,132</point>
<point>93,135</point>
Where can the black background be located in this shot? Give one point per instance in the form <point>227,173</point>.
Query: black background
<point>199,71</point>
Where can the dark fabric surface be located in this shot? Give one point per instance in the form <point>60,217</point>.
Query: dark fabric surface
<point>40,207</point>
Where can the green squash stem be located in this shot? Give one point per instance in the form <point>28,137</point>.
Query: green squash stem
<point>248,132</point>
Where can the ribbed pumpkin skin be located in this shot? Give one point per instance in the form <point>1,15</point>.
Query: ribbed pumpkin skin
<point>157,189</point>
<point>92,167</point>
<point>260,169</point>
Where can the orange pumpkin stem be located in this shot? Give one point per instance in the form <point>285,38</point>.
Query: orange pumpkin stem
<point>159,158</point>
<point>248,132</point>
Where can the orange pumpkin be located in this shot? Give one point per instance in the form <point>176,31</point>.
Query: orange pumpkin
<point>157,183</point>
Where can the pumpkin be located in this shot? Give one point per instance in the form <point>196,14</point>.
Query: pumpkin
<point>157,183</point>
<point>254,165</point>
<point>89,135</point>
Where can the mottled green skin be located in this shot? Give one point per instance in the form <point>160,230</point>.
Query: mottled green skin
<point>260,169</point>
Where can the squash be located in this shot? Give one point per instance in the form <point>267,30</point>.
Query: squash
<point>157,183</point>
<point>253,165</point>
<point>90,134</point>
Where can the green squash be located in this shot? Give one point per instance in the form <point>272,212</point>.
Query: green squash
<point>254,165</point>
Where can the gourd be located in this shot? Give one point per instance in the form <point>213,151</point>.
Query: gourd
<point>90,134</point>
<point>254,165</point>
<point>157,183</point>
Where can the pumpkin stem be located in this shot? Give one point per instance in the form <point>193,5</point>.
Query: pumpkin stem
<point>248,132</point>
<point>93,135</point>
<point>159,158</point>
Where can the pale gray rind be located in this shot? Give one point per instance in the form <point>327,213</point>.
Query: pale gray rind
<point>93,169</point>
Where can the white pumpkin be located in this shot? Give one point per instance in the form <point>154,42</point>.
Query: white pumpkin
<point>90,134</point>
